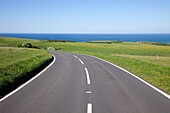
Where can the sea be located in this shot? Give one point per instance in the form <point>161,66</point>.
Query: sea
<point>162,38</point>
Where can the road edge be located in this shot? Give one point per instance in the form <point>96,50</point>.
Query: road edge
<point>137,77</point>
<point>27,82</point>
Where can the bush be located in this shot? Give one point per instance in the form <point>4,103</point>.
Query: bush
<point>28,45</point>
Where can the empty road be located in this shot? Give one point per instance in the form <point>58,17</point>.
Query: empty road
<point>83,84</point>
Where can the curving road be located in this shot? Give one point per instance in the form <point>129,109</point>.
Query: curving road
<point>83,84</point>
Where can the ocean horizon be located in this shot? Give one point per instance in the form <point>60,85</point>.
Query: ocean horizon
<point>161,38</point>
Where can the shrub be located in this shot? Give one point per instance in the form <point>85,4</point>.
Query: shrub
<point>27,45</point>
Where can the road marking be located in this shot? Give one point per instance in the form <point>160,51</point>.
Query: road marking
<point>87,75</point>
<point>75,56</point>
<point>89,108</point>
<point>153,87</point>
<point>88,92</point>
<point>23,85</point>
<point>81,61</point>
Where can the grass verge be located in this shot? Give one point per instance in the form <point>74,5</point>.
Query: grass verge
<point>18,65</point>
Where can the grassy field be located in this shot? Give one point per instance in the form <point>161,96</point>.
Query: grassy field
<point>139,58</point>
<point>127,48</point>
<point>7,42</point>
<point>158,60</point>
<point>19,64</point>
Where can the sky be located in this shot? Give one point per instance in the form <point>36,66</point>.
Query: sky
<point>85,16</point>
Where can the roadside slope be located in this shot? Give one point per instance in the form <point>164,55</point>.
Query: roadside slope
<point>18,65</point>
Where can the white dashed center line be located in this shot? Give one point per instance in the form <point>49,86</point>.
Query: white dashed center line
<point>89,108</point>
<point>75,56</point>
<point>81,61</point>
<point>89,105</point>
<point>87,75</point>
<point>88,92</point>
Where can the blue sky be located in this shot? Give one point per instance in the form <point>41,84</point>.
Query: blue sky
<point>85,16</point>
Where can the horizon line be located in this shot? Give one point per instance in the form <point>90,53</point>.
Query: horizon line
<point>72,33</point>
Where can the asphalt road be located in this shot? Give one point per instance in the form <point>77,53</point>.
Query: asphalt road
<point>83,84</point>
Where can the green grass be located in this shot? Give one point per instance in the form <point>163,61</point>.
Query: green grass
<point>120,48</point>
<point>19,63</point>
<point>138,58</point>
<point>14,42</point>
<point>156,74</point>
<point>158,60</point>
